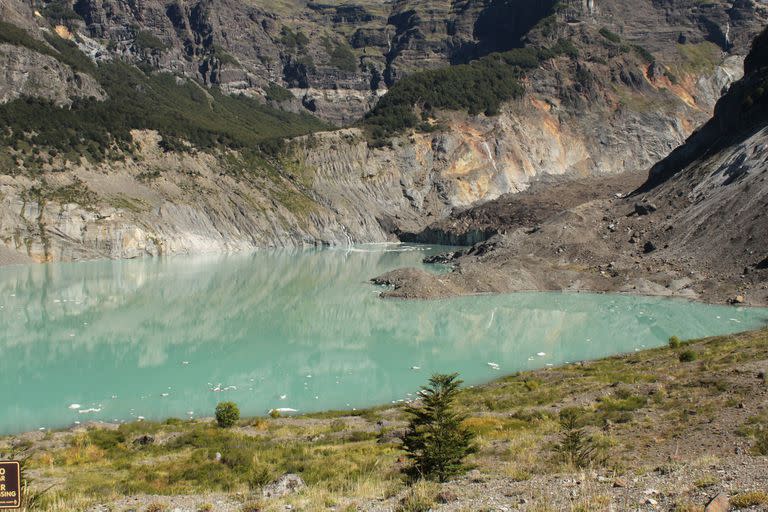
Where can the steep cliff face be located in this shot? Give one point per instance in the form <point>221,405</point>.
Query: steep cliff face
<point>337,58</point>
<point>25,73</point>
<point>621,92</point>
<point>696,228</point>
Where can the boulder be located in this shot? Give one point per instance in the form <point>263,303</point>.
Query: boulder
<point>645,208</point>
<point>719,503</point>
<point>144,440</point>
<point>283,486</point>
<point>739,299</point>
<point>649,247</point>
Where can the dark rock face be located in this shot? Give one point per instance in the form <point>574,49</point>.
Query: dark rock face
<point>389,40</point>
<point>741,111</point>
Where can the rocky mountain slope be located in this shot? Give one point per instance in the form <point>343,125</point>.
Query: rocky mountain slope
<point>614,89</point>
<point>696,228</point>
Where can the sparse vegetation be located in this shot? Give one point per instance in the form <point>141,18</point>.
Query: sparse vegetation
<point>577,447</point>
<point>687,356</point>
<point>419,498</point>
<point>518,423</point>
<point>340,55</point>
<point>749,499</point>
<point>278,93</point>
<point>611,36</point>
<point>674,342</point>
<point>147,41</point>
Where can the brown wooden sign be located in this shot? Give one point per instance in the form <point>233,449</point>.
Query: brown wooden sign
<point>10,485</point>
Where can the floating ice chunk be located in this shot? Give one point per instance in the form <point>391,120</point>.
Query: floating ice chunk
<point>74,407</point>
<point>89,411</point>
<point>191,413</point>
<point>141,418</point>
<point>164,394</point>
<point>283,397</point>
<point>41,428</point>
<point>495,366</point>
<point>417,368</point>
<point>734,320</point>
<point>283,410</point>
<point>541,354</point>
<point>77,423</point>
<point>309,376</point>
<point>185,362</point>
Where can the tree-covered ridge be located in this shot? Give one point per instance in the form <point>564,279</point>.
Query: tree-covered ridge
<point>181,110</point>
<point>481,86</point>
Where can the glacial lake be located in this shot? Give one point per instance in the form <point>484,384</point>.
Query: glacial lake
<point>287,329</point>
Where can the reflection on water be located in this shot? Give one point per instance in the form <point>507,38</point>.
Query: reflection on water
<point>297,329</point>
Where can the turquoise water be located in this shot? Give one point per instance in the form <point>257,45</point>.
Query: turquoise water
<point>297,330</point>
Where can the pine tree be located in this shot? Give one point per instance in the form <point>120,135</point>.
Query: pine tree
<point>435,440</point>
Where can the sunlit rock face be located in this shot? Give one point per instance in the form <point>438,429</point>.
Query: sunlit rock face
<point>605,110</point>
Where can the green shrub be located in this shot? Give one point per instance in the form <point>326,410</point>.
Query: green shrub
<point>687,356</point>
<point>436,442</point>
<point>611,36</point>
<point>644,54</point>
<point>227,414</point>
<point>420,497</point>
<point>293,40</point>
<point>145,40</point>
<point>59,11</point>
<point>340,55</point>
<point>275,92</point>
<point>577,447</point>
<point>749,499</point>
<point>761,442</point>
<point>11,34</point>
<point>674,342</point>
<point>106,439</point>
